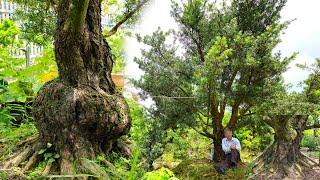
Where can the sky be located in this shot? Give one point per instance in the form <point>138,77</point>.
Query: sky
<point>302,36</point>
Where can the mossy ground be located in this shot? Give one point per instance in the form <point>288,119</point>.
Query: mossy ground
<point>204,169</point>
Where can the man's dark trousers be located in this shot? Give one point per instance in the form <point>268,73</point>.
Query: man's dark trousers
<point>231,159</point>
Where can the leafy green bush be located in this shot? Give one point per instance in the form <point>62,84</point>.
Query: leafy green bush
<point>146,134</point>
<point>14,113</point>
<point>19,84</point>
<point>252,142</point>
<point>117,44</point>
<point>183,144</point>
<point>254,135</point>
<point>309,141</point>
<point>160,174</point>
<point>123,168</point>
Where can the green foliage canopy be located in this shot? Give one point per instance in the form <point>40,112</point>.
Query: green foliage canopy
<point>226,66</point>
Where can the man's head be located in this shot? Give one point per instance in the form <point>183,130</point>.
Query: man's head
<point>228,133</point>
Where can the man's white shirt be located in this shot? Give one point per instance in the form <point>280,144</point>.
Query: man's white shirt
<point>226,144</point>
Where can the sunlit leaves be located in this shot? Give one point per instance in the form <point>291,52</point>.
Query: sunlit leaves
<point>117,43</point>
<point>216,61</point>
<point>22,82</point>
<point>8,32</point>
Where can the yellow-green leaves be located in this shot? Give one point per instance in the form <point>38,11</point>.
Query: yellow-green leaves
<point>8,31</point>
<point>160,174</point>
<point>219,52</point>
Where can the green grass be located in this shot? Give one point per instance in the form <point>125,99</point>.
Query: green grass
<point>204,169</point>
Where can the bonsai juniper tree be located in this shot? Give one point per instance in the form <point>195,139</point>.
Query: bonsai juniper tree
<point>227,64</point>
<point>288,115</point>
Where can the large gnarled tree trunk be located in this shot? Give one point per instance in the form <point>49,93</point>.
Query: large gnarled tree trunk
<point>79,113</point>
<point>284,158</point>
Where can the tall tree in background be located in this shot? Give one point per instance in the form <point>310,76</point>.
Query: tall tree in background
<point>227,65</point>
<point>79,113</point>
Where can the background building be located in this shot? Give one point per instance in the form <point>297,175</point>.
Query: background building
<point>28,50</point>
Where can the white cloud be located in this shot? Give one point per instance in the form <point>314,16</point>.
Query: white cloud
<point>294,74</point>
<point>155,16</point>
<point>302,35</point>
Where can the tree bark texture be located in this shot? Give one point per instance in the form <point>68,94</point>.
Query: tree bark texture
<point>218,135</point>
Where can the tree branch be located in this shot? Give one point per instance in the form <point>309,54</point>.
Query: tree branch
<point>78,15</point>
<point>125,18</point>
<point>198,45</point>
<point>234,114</point>
<point>206,134</point>
<point>244,111</point>
<point>315,126</point>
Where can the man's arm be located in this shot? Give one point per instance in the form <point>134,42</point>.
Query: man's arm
<point>238,146</point>
<point>225,146</point>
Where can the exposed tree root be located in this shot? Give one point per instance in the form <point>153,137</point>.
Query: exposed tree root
<point>66,167</point>
<point>33,160</point>
<point>283,159</point>
<point>28,157</point>
<point>30,140</point>
<point>309,159</point>
<point>47,169</point>
<point>109,164</point>
<point>303,168</point>
<point>18,158</point>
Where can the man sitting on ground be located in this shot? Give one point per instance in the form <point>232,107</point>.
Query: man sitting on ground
<point>231,147</point>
